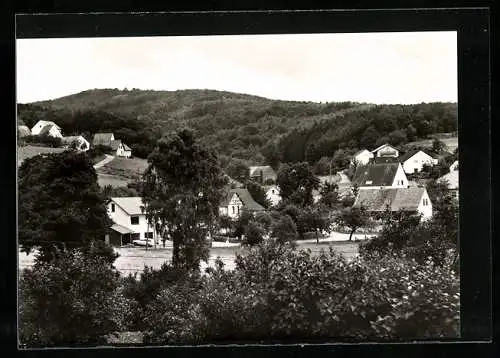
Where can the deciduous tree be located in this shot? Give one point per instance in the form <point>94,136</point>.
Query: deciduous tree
<point>182,189</point>
<point>60,203</point>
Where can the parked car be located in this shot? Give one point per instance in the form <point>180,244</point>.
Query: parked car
<point>142,242</point>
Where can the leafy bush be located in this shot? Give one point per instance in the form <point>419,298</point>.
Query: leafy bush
<point>43,140</point>
<point>74,300</point>
<point>280,293</point>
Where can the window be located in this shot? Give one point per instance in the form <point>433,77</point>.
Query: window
<point>233,209</point>
<point>272,191</point>
<point>135,236</point>
<point>238,209</point>
<point>425,202</point>
<point>134,220</point>
<point>112,208</point>
<point>148,235</point>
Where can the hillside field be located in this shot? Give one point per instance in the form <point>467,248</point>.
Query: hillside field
<point>29,151</point>
<point>451,143</point>
<point>124,168</point>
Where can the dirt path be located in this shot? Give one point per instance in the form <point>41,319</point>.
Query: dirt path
<point>104,161</point>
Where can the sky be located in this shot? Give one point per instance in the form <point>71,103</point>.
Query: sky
<point>377,68</point>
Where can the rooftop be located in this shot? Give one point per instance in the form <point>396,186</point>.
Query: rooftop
<point>407,199</point>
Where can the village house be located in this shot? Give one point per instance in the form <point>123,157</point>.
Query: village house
<point>415,160</point>
<point>130,221</point>
<point>263,174</point>
<point>78,141</point>
<point>451,179</point>
<point>108,139</point>
<point>273,194</point>
<point>237,200</point>
<point>384,175</point>
<point>412,199</point>
<point>46,128</point>
<point>121,149</point>
<point>362,157</point>
<point>385,151</point>
<point>23,131</point>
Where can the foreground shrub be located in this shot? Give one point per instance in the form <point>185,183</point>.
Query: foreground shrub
<point>73,300</point>
<point>143,290</point>
<point>280,293</point>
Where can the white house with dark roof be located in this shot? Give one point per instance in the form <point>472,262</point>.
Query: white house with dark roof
<point>108,139</point>
<point>237,200</point>
<point>411,199</point>
<point>385,150</point>
<point>362,157</point>
<point>415,160</point>
<point>380,176</point>
<point>130,221</point>
<point>46,128</point>
<point>121,149</point>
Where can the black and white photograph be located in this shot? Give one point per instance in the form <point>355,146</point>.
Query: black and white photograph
<point>194,190</point>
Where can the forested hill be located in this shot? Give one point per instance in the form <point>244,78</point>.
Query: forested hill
<point>251,128</point>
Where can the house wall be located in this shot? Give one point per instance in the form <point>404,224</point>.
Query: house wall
<point>388,152</point>
<point>400,180</point>
<point>54,132</point>
<point>233,209</point>
<point>121,152</point>
<point>417,161</point>
<point>363,158</point>
<point>425,210</point>
<point>122,218</point>
<point>37,128</point>
<point>273,196</point>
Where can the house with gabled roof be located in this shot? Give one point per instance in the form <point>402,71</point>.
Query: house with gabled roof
<point>77,141</point>
<point>103,139</point>
<point>384,175</point>
<point>236,200</point>
<point>385,150</point>
<point>262,174</point>
<point>23,131</point>
<point>130,222</point>
<point>119,148</point>
<point>451,179</point>
<point>362,157</point>
<point>414,161</point>
<point>411,199</point>
<point>46,128</point>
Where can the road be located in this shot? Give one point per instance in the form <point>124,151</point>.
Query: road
<point>104,161</point>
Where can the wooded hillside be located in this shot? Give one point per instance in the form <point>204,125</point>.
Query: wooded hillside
<point>254,129</point>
